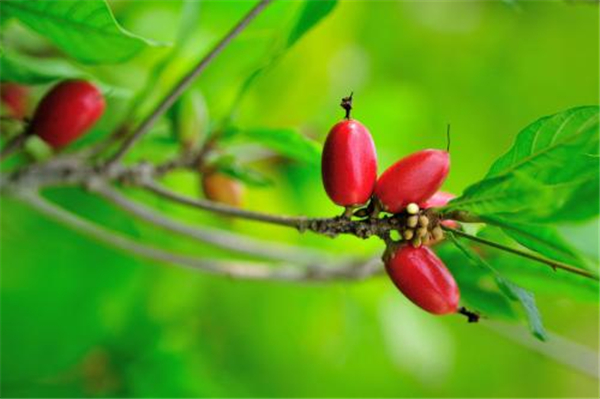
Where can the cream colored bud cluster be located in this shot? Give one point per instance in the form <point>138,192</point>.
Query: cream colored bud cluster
<point>418,229</point>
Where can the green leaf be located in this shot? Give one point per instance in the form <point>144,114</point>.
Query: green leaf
<point>525,298</point>
<point>540,238</point>
<point>312,13</point>
<point>287,142</point>
<point>515,194</point>
<point>251,177</point>
<point>533,275</point>
<point>567,136</point>
<point>527,301</point>
<point>190,15</point>
<point>543,280</point>
<point>477,289</point>
<point>86,30</point>
<point>552,163</point>
<point>582,204</point>
<point>30,71</point>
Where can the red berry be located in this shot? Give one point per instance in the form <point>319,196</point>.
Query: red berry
<point>349,164</point>
<point>414,178</point>
<point>15,97</point>
<point>67,111</point>
<point>424,279</point>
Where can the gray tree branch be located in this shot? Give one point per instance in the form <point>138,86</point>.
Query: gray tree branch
<point>223,239</point>
<point>234,269</point>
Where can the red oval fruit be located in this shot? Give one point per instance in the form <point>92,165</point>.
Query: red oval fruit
<point>349,163</point>
<point>221,188</point>
<point>67,111</point>
<point>414,178</point>
<point>424,279</point>
<point>15,97</point>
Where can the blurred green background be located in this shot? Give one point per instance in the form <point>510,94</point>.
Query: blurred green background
<point>82,319</point>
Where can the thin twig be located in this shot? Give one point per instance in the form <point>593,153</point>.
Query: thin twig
<point>231,241</point>
<point>14,144</point>
<point>553,264</point>
<point>290,221</point>
<point>331,227</point>
<point>185,82</point>
<point>235,269</point>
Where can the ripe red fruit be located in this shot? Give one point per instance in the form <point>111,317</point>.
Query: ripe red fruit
<point>424,279</point>
<point>349,163</point>
<point>67,111</point>
<point>15,97</point>
<point>221,188</point>
<point>414,178</point>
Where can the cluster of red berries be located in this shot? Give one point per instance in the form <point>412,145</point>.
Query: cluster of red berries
<point>71,108</point>
<point>407,188</point>
<point>64,114</point>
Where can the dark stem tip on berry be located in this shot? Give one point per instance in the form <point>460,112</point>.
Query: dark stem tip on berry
<point>347,104</point>
<point>472,317</point>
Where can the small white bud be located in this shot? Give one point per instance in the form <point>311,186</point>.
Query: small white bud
<point>412,221</point>
<point>416,242</point>
<point>412,208</point>
<point>438,233</point>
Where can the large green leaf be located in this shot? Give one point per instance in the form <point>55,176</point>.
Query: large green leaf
<point>287,142</point>
<point>511,290</point>
<point>553,162</point>
<point>312,13</point>
<point>515,193</point>
<point>86,30</point>
<point>30,71</point>
<point>566,136</point>
<point>541,238</point>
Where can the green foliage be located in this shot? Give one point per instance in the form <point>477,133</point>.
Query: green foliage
<point>31,71</point>
<point>245,174</point>
<point>190,15</point>
<point>171,332</point>
<point>86,30</point>
<point>286,142</point>
<point>551,164</point>
<point>510,289</point>
<point>515,194</point>
<point>312,13</point>
<point>541,238</point>
<point>478,290</point>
